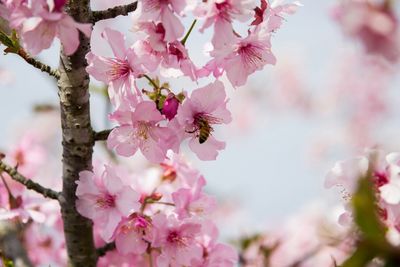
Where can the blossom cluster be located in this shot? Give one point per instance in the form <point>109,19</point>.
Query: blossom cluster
<point>39,22</point>
<point>156,120</point>
<point>386,181</point>
<point>374,23</point>
<point>163,214</point>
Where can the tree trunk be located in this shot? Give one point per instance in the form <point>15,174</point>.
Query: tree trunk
<point>77,141</point>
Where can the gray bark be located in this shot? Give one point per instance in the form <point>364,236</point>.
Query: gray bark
<point>77,142</point>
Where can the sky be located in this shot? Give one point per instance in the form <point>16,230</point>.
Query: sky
<point>265,170</point>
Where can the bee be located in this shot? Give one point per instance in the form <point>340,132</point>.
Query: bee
<point>202,126</point>
<point>204,130</point>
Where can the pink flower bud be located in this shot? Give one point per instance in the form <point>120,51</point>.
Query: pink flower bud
<point>59,4</point>
<point>171,105</point>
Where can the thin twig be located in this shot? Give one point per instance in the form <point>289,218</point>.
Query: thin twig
<point>37,64</point>
<point>104,249</point>
<point>113,12</point>
<point>16,176</point>
<point>103,135</point>
<point>189,32</point>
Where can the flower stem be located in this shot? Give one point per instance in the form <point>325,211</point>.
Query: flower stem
<point>151,81</point>
<point>189,32</point>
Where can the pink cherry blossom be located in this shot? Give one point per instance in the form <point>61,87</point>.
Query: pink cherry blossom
<point>193,201</point>
<point>164,12</point>
<point>132,233</point>
<point>155,35</point>
<point>143,132</point>
<point>29,155</point>
<point>45,245</point>
<point>274,15</point>
<point>23,207</point>
<point>40,22</point>
<point>177,239</point>
<point>205,108</point>
<point>242,58</point>
<point>214,254</point>
<point>221,13</point>
<point>374,23</point>
<point>118,73</point>
<point>178,168</point>
<point>177,58</point>
<point>104,198</point>
<point>346,174</point>
<point>390,186</point>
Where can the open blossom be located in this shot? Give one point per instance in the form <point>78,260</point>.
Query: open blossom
<point>385,178</point>
<point>178,241</point>
<point>242,58</point>
<point>40,21</point>
<point>271,16</point>
<point>24,207</point>
<point>221,14</point>
<point>374,23</point>
<point>164,11</point>
<point>143,132</point>
<point>132,233</point>
<point>104,198</point>
<point>177,58</point>
<point>199,113</point>
<point>193,201</point>
<point>214,254</point>
<point>119,72</point>
<point>390,180</point>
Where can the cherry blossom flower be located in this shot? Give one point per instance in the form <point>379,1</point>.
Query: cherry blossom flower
<point>177,169</point>
<point>118,73</point>
<point>177,58</point>
<point>193,201</point>
<point>29,155</point>
<point>132,233</point>
<point>178,241</point>
<point>373,23</point>
<point>242,58</point>
<point>46,245</point>
<point>23,207</point>
<point>103,198</point>
<point>197,115</point>
<point>40,22</point>
<point>214,253</point>
<point>221,13</point>
<point>274,14</point>
<point>164,12</point>
<point>143,132</point>
<point>390,180</point>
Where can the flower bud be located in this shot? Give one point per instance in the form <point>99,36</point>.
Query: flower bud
<point>170,107</point>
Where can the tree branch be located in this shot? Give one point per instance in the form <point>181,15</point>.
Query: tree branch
<point>37,64</point>
<point>102,135</point>
<point>16,176</point>
<point>113,12</point>
<point>77,141</point>
<point>101,251</point>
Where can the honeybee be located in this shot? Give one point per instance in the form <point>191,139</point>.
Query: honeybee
<point>202,126</point>
<point>204,131</point>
